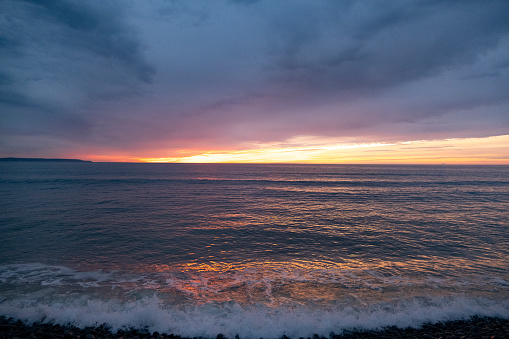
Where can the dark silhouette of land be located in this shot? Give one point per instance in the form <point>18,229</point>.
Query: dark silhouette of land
<point>43,160</point>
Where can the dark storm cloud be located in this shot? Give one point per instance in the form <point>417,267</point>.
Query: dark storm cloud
<point>98,30</point>
<point>183,74</point>
<point>357,47</point>
<point>60,57</point>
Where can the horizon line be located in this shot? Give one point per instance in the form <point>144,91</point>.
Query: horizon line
<point>39,159</point>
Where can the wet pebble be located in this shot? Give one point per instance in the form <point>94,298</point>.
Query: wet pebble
<point>476,327</point>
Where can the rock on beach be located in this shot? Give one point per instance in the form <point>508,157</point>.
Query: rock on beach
<point>476,327</point>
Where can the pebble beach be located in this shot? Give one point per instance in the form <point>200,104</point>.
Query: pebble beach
<point>476,327</point>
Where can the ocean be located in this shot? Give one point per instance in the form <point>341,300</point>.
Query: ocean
<point>251,249</point>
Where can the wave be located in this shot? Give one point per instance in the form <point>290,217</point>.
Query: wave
<point>253,321</point>
<point>207,302</point>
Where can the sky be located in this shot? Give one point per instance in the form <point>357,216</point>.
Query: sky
<point>351,81</point>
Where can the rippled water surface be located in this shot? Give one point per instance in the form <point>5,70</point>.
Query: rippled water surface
<point>258,250</point>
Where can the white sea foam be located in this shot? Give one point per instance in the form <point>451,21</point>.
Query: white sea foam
<point>253,303</point>
<point>253,321</point>
<point>50,275</point>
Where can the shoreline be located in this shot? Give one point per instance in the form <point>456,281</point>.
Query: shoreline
<point>475,327</point>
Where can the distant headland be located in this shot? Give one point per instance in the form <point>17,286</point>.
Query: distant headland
<point>43,160</point>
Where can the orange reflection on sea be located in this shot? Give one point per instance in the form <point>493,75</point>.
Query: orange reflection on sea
<point>300,282</point>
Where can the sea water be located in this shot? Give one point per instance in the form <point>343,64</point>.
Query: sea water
<point>253,250</point>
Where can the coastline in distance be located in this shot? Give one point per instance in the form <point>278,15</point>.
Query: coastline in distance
<point>42,159</point>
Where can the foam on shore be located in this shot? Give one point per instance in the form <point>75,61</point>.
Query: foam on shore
<point>252,321</point>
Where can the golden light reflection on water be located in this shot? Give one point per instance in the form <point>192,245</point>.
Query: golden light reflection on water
<point>302,282</point>
<point>309,268</point>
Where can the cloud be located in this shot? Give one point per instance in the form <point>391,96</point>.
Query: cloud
<point>149,77</point>
<point>59,58</point>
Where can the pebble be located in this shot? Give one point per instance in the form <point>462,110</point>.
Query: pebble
<point>68,334</point>
<point>476,327</point>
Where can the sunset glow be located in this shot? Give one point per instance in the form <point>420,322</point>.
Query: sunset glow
<point>453,151</point>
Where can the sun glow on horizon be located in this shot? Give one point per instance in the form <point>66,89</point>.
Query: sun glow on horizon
<point>489,150</point>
